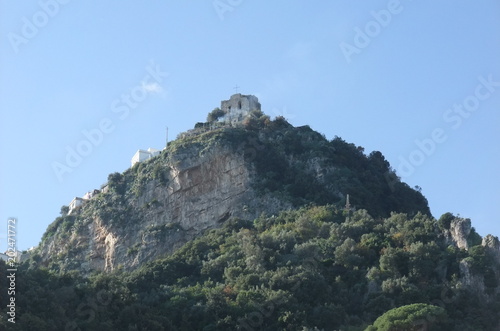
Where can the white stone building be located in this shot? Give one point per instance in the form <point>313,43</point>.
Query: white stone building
<point>142,155</point>
<point>238,107</point>
<point>105,188</point>
<point>90,194</point>
<point>74,204</point>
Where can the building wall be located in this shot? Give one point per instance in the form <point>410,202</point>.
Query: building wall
<point>142,155</point>
<point>238,107</point>
<point>105,188</point>
<point>153,151</point>
<point>75,203</point>
<point>90,194</point>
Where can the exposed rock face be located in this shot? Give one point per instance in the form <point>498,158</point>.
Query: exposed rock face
<point>492,245</point>
<point>209,177</point>
<point>204,189</point>
<point>459,232</point>
<point>473,282</point>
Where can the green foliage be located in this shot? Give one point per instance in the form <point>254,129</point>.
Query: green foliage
<point>314,267</point>
<point>201,125</point>
<point>346,254</point>
<point>132,251</point>
<point>308,268</point>
<point>51,229</point>
<point>474,238</point>
<point>62,224</point>
<point>288,158</point>
<point>479,259</point>
<point>116,183</point>
<point>416,316</point>
<point>64,210</point>
<point>215,114</point>
<point>160,173</point>
<point>445,221</point>
<point>160,232</point>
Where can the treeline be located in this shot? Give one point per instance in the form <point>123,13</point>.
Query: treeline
<point>316,268</point>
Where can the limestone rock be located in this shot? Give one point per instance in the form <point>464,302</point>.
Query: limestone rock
<point>492,245</point>
<point>459,231</point>
<point>204,189</point>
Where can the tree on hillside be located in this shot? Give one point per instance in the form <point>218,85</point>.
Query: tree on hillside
<point>215,114</point>
<point>417,316</point>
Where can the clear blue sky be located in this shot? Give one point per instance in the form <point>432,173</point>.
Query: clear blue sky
<point>381,74</point>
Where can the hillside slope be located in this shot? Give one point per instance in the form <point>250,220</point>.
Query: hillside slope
<point>315,268</point>
<point>210,175</point>
<point>246,228</point>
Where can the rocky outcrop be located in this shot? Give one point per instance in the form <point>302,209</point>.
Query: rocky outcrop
<point>209,177</point>
<point>474,280</point>
<point>470,280</point>
<point>492,246</point>
<point>458,233</point>
<point>202,189</point>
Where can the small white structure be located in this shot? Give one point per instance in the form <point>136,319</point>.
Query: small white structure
<point>78,202</point>
<point>238,107</point>
<point>105,188</point>
<point>142,155</point>
<point>90,194</point>
<point>74,204</point>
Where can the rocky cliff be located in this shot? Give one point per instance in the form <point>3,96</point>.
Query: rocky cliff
<point>210,176</point>
<point>156,207</point>
<point>261,214</point>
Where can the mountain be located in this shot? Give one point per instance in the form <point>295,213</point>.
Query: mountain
<point>248,223</point>
<point>211,175</point>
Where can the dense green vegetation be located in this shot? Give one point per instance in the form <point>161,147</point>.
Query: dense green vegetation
<point>296,165</point>
<point>315,267</point>
<point>287,160</point>
<point>416,316</point>
<point>386,264</point>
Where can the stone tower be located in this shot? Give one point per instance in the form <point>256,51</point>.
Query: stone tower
<point>238,107</point>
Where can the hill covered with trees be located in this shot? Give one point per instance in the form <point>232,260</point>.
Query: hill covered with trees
<point>286,255</point>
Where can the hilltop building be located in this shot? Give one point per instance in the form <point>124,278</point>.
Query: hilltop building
<point>235,110</point>
<point>78,202</point>
<point>142,155</point>
<point>238,107</point>
<point>90,194</point>
<point>105,188</point>
<point>74,204</point>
